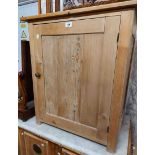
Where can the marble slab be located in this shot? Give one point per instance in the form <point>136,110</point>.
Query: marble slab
<point>74,142</point>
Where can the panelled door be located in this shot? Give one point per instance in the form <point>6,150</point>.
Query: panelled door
<point>35,145</point>
<point>75,64</point>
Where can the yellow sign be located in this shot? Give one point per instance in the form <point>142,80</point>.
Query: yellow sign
<point>23,35</point>
<point>23,25</point>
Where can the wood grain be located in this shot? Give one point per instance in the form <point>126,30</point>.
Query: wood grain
<point>107,68</point>
<point>77,75</point>
<point>78,27</point>
<point>26,140</point>
<point>121,73</point>
<point>49,6</point>
<point>46,147</point>
<point>33,64</point>
<point>57,5</point>
<point>84,71</point>
<point>39,7</point>
<point>106,7</point>
<point>92,54</point>
<point>61,74</point>
<point>21,142</point>
<point>72,18</point>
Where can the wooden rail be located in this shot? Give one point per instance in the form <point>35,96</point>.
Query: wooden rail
<point>105,7</point>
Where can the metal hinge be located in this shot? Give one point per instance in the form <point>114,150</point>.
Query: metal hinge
<point>117,37</point>
<point>108,129</point>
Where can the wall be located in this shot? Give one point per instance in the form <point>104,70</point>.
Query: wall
<point>27,8</point>
<point>24,10</point>
<point>131,99</point>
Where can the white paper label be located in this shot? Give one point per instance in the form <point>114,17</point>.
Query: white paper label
<point>68,24</point>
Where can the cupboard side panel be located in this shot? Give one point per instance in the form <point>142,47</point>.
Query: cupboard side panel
<point>107,67</point>
<point>120,78</point>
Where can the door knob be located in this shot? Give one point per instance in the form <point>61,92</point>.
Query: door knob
<point>37,75</point>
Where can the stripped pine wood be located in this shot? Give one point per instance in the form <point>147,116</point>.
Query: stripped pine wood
<point>90,78</point>
<point>75,80</point>
<point>51,61</point>
<point>82,70</point>
<point>72,18</point>
<point>121,73</point>
<point>39,70</point>
<point>80,11</point>
<point>78,27</point>
<point>61,74</point>
<point>107,75</point>
<point>33,64</point>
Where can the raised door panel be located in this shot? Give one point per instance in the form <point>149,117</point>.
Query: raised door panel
<point>35,145</point>
<point>62,74</point>
<point>75,89</point>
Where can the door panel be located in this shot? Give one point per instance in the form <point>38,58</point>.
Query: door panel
<point>61,72</point>
<point>35,145</point>
<point>92,57</point>
<point>78,71</point>
<point>95,25</point>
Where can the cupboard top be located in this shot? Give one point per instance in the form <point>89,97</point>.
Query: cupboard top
<point>105,7</point>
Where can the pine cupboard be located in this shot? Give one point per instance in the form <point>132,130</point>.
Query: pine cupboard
<point>80,64</point>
